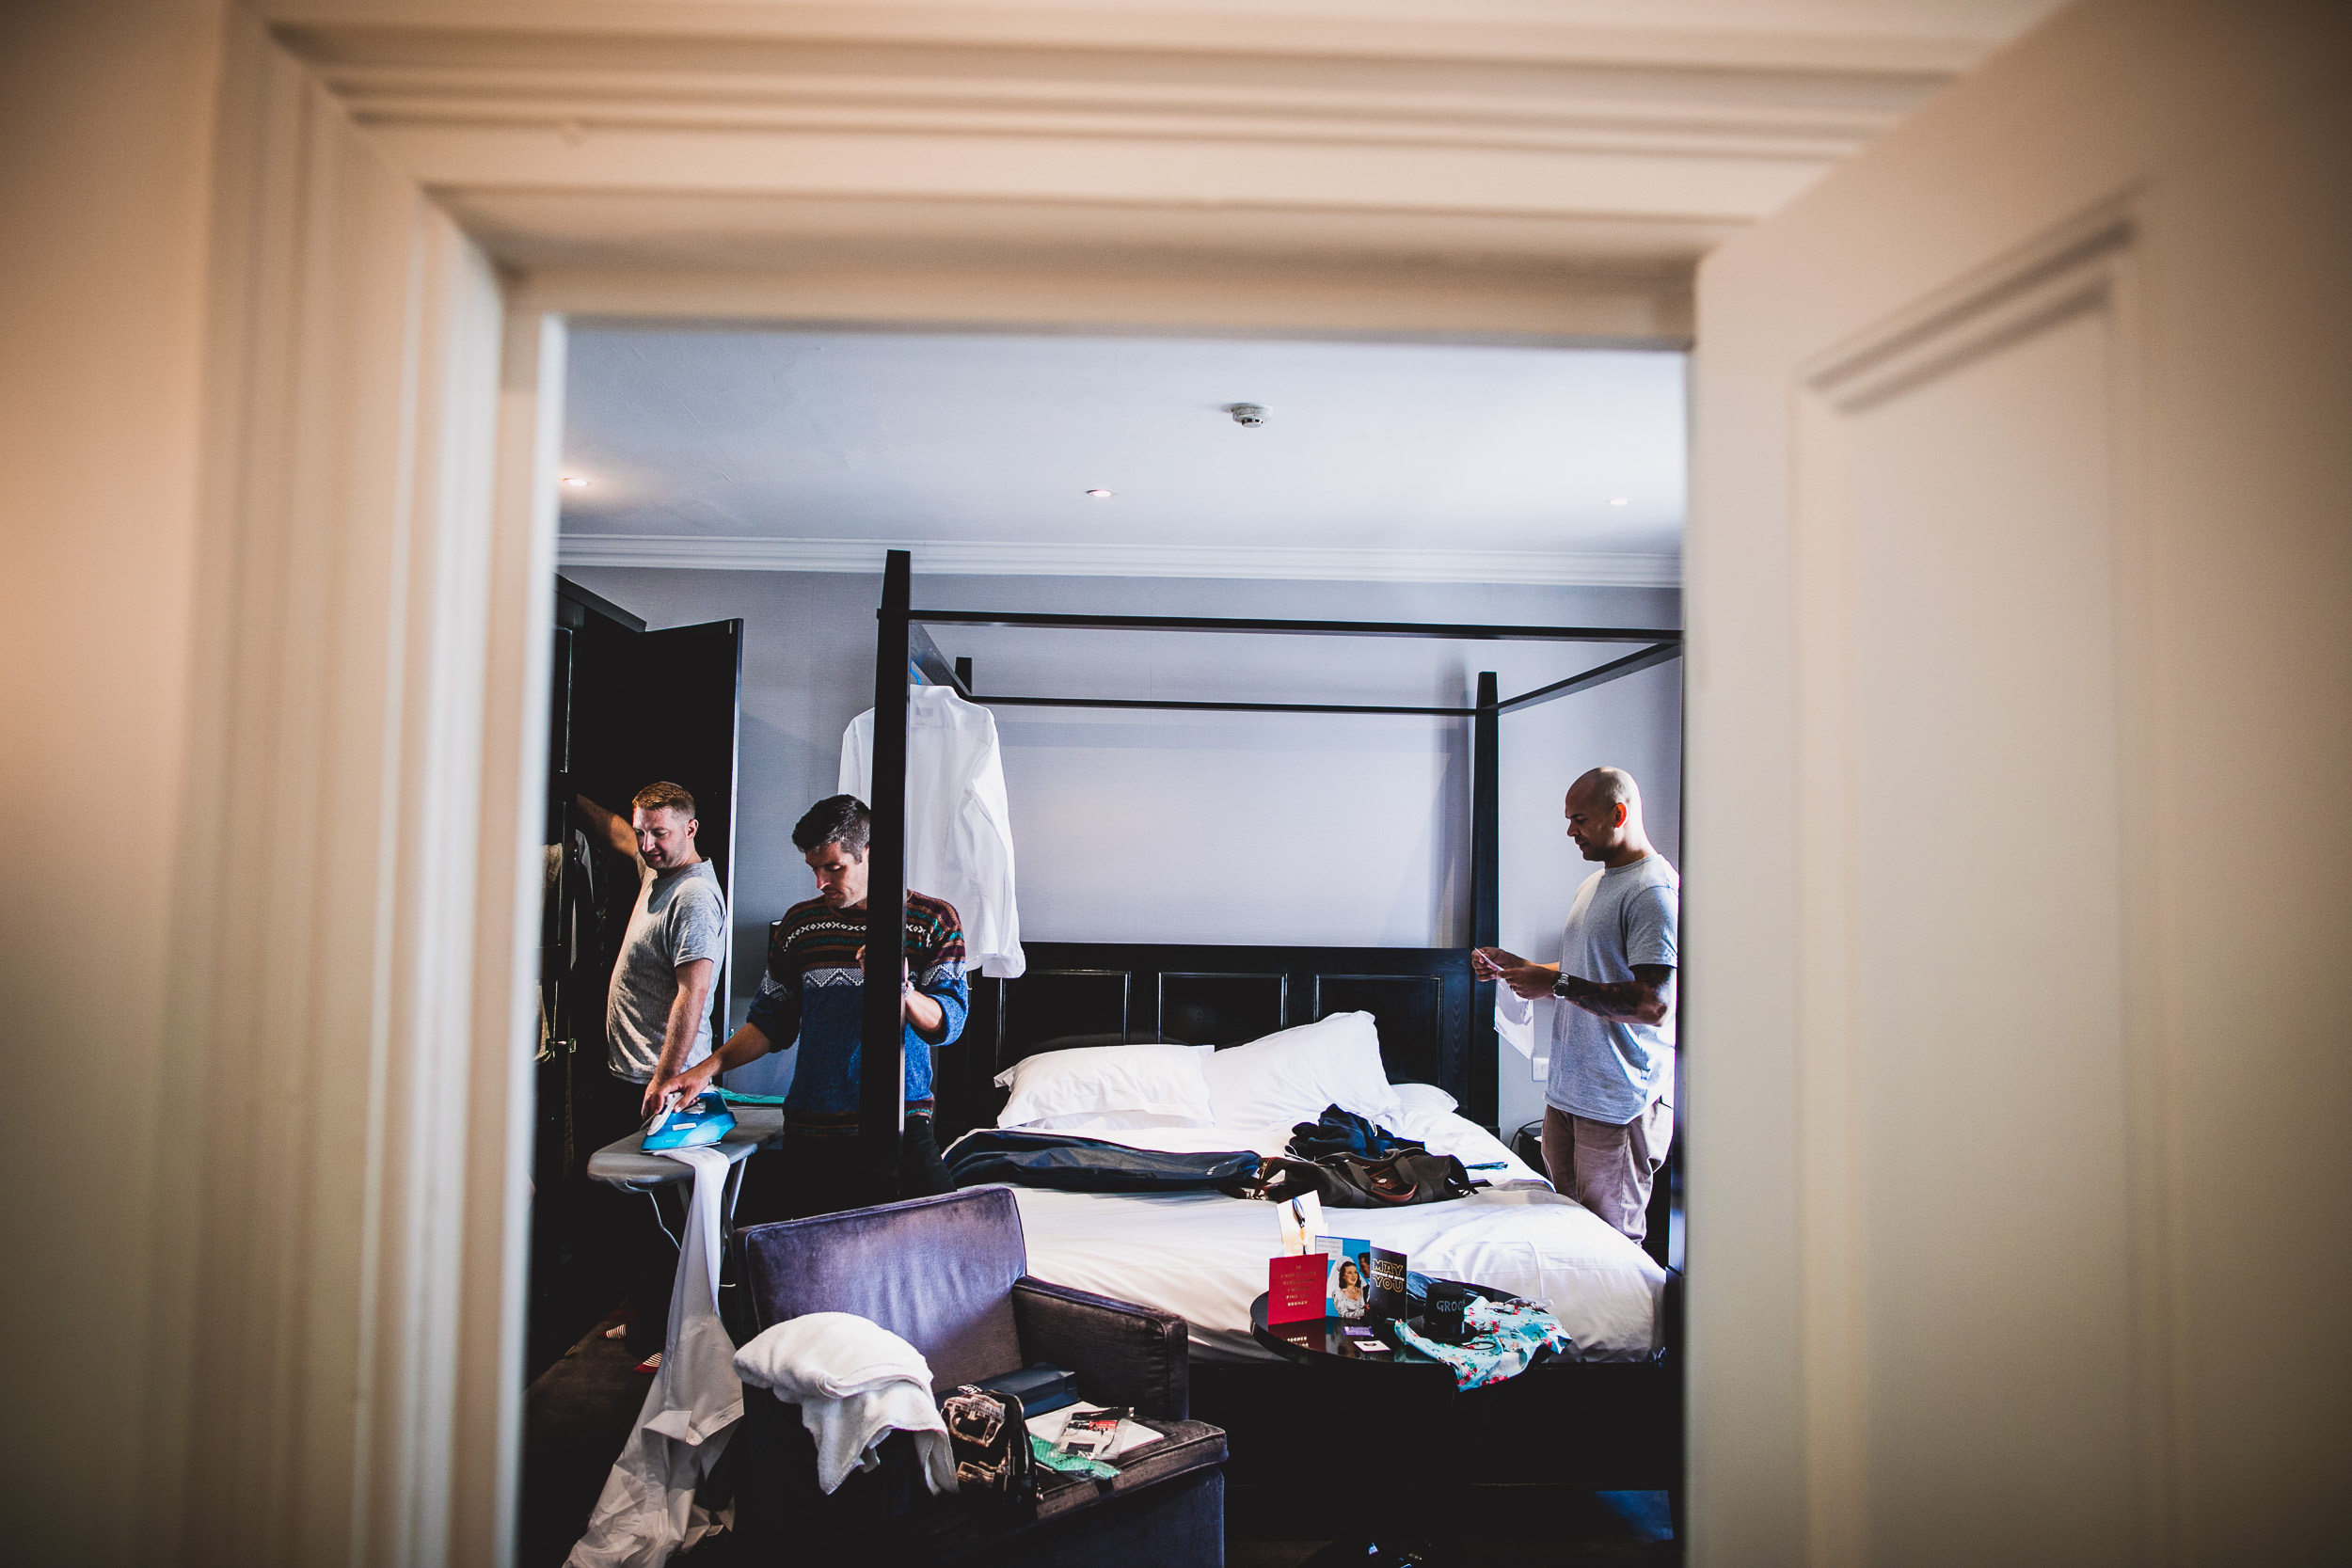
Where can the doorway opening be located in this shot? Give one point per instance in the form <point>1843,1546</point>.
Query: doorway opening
<point>753,479</point>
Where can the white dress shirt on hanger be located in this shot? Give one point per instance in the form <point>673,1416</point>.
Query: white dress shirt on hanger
<point>959,827</point>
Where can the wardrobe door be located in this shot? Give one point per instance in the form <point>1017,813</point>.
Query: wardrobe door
<point>662,705</point>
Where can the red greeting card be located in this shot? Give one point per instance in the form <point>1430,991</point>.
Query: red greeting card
<point>1295,1287</point>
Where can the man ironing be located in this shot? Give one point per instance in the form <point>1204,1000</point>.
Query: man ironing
<point>658,1012</point>
<point>1609,1101</point>
<point>657,1017</point>
<point>813,994</point>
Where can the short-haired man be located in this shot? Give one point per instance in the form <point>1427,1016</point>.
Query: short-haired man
<point>1609,1101</point>
<point>657,1015</point>
<point>814,993</point>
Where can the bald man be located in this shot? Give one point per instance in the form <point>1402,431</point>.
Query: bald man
<point>1608,1103</point>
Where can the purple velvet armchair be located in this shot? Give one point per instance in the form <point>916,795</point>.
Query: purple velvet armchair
<point>947,1275</point>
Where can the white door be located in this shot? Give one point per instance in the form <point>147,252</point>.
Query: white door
<point>2020,1006</point>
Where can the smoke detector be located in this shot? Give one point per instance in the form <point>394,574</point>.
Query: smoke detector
<point>1246,413</point>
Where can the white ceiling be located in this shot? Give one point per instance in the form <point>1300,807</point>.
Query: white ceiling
<point>1342,168</point>
<point>706,447</point>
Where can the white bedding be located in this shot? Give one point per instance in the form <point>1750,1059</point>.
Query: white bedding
<point>1203,1254</point>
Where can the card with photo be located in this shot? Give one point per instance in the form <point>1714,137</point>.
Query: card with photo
<point>1347,1293</point>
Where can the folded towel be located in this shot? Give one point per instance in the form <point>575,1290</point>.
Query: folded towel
<point>829,1355</point>
<point>847,1433</point>
<point>856,1383</point>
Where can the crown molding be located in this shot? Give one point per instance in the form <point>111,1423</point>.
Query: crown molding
<point>959,558</point>
<point>1701,37</point>
<point>1606,112</point>
<point>1387,128</point>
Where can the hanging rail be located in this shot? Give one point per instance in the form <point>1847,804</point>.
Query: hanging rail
<point>905,649</point>
<point>1460,633</point>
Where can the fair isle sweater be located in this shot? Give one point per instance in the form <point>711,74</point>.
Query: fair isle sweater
<point>814,992</point>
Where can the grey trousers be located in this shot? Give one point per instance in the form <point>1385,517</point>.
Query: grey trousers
<point>1609,1168</point>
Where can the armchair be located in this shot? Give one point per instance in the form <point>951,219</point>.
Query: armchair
<point>947,1275</point>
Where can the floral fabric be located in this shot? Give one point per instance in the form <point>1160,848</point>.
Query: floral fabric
<point>1505,1336</point>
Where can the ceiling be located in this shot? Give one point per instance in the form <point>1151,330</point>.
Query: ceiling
<point>817,449</point>
<point>1444,166</point>
<point>1222,173</point>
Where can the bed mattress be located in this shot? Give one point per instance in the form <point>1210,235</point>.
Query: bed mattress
<point>1203,1254</point>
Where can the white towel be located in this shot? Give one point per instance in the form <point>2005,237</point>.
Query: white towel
<point>848,1432</point>
<point>856,1383</point>
<point>828,1355</point>
<point>647,1510</point>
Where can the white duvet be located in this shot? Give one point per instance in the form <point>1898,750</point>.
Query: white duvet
<point>1203,1254</point>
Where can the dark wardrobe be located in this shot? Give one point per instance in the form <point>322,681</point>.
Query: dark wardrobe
<point>628,706</point>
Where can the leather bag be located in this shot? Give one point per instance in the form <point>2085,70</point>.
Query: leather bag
<point>1352,1182</point>
<point>989,1436</point>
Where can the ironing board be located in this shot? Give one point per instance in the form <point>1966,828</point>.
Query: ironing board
<point>620,1164</point>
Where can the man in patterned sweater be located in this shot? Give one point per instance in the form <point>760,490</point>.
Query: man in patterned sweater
<point>814,995</point>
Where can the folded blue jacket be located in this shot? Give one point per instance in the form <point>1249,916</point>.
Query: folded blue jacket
<point>1090,1165</point>
<point>1338,1132</point>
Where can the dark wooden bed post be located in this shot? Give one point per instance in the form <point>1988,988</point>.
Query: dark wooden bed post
<point>1486,896</point>
<point>881,1057</point>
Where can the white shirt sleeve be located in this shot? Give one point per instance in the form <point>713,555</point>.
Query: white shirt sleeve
<point>1515,1021</point>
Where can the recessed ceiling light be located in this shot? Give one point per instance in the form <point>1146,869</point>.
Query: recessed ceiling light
<point>1099,495</point>
<point>576,482</point>
<point>1621,501</point>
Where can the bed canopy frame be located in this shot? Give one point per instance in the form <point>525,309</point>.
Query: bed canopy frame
<point>904,649</point>
<point>1434,1021</point>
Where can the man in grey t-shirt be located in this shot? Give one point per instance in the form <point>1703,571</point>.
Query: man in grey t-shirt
<point>657,1019</point>
<point>1609,1101</point>
<point>658,1012</point>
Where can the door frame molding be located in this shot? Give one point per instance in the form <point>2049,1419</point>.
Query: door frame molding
<point>340,1202</point>
<point>347,1214</point>
<point>2090,263</point>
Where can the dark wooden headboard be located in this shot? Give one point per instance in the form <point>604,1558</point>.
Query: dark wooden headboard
<point>1098,993</point>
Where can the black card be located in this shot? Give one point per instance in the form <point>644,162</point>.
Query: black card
<point>1387,1296</point>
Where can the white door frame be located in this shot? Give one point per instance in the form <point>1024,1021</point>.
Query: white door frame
<point>345,1206</point>
<point>347,1214</point>
<point>386,425</point>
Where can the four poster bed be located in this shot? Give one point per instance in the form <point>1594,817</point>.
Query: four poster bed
<point>1609,1420</point>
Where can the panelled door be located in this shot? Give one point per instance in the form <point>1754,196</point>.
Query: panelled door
<point>662,705</point>
<point>2020,581</point>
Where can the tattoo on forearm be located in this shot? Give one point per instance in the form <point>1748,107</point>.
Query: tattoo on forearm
<point>1645,999</point>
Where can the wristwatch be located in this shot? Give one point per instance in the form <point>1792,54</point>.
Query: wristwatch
<point>1558,986</point>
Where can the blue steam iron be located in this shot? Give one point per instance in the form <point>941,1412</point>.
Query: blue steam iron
<point>706,1120</point>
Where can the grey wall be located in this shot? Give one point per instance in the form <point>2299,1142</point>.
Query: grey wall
<point>1139,827</point>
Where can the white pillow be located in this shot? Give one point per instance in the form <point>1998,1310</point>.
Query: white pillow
<point>1292,1076</point>
<point>1109,1121</point>
<point>1421,1100</point>
<point>1099,1080</point>
<point>1422,1107</point>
